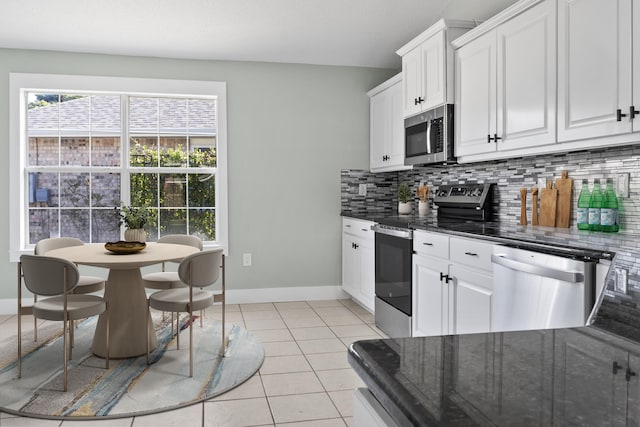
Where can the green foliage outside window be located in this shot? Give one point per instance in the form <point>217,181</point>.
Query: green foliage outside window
<point>152,190</point>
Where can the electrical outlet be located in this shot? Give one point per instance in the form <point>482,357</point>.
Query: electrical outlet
<point>246,260</point>
<point>362,190</point>
<point>622,185</point>
<point>620,279</point>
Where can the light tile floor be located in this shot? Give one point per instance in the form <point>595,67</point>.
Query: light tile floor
<point>305,379</point>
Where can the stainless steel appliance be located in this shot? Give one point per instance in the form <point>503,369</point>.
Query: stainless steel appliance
<point>429,136</point>
<point>541,290</point>
<point>394,249</point>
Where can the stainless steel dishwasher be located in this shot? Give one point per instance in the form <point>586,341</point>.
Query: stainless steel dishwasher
<point>540,290</point>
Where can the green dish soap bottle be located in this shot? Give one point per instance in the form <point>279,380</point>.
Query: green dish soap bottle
<point>609,212</point>
<point>583,206</point>
<point>595,207</point>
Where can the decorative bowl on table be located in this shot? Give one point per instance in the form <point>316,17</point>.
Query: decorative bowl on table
<point>122,248</point>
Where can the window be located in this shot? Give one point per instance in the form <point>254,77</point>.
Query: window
<point>86,143</point>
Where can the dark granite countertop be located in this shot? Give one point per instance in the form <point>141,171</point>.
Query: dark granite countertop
<point>544,377</point>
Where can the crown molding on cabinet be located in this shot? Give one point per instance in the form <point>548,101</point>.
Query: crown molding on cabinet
<point>384,85</point>
<point>493,22</point>
<point>439,25</point>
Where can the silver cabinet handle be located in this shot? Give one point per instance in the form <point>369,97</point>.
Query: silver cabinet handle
<point>565,276</point>
<point>428,244</point>
<point>364,229</point>
<point>471,253</point>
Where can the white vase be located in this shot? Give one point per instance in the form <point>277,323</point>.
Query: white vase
<point>404,208</point>
<point>135,235</point>
<point>423,208</point>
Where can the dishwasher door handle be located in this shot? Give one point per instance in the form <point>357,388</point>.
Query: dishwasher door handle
<point>565,276</point>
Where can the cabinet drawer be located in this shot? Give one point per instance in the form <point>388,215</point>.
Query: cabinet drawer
<point>358,228</point>
<point>473,253</point>
<point>434,244</point>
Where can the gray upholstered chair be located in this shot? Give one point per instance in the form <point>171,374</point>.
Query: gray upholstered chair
<point>56,279</point>
<point>86,284</point>
<point>197,271</point>
<point>170,279</point>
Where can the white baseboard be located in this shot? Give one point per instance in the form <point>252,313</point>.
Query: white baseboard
<point>237,296</point>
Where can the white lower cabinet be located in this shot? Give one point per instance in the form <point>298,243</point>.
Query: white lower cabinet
<point>451,292</point>
<point>430,296</point>
<point>472,296</point>
<point>358,261</point>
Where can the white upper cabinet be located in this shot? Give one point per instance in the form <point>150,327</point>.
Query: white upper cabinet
<point>527,78</point>
<point>475,105</point>
<point>594,67</point>
<point>427,66</point>
<point>387,127</point>
<point>506,83</point>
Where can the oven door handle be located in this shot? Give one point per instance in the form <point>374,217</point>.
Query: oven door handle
<point>394,232</point>
<point>551,273</point>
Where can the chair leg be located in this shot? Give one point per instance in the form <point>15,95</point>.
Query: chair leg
<point>201,317</point>
<point>171,322</point>
<point>108,315</point>
<point>19,342</point>
<point>190,343</point>
<point>64,353</point>
<point>146,329</point>
<point>177,331</point>
<point>224,336</point>
<point>70,325</point>
<point>35,321</point>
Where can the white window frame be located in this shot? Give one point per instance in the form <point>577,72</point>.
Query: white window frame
<point>20,83</point>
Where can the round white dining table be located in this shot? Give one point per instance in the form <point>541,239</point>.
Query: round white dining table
<point>124,293</point>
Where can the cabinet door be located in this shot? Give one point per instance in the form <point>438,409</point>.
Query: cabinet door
<point>411,82</point>
<point>395,143</point>
<point>433,71</point>
<point>594,67</point>
<point>380,128</point>
<point>350,266</point>
<point>633,403</point>
<point>526,79</point>
<point>430,297</point>
<point>524,378</point>
<point>636,63</point>
<point>367,259</point>
<point>475,112</point>
<point>472,300</point>
<point>587,389</point>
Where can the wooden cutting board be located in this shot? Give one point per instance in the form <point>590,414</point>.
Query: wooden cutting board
<point>564,185</point>
<point>548,200</point>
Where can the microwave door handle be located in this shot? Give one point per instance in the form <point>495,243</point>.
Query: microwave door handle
<point>428,136</point>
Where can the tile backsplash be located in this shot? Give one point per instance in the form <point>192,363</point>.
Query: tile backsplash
<point>508,176</point>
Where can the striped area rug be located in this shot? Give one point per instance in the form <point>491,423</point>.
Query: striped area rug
<point>130,387</point>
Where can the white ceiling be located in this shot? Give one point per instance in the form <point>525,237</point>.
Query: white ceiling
<point>332,32</point>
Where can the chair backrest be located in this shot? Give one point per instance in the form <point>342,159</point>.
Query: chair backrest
<point>45,275</point>
<point>182,239</point>
<point>45,245</point>
<point>202,268</point>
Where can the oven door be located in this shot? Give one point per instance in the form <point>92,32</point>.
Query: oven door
<point>393,269</point>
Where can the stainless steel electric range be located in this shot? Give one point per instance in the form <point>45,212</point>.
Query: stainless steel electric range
<point>457,205</point>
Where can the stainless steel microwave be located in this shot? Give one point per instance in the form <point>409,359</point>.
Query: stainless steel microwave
<point>429,137</point>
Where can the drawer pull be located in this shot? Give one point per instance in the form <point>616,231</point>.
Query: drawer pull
<point>471,253</point>
<point>364,229</point>
<point>427,244</point>
<point>348,226</point>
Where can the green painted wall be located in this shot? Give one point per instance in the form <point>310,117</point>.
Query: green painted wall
<point>291,129</point>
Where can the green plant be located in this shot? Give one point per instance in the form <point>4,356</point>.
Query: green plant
<point>404,194</point>
<point>132,217</point>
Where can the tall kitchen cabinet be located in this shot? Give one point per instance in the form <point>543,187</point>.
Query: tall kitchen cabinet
<point>452,285</point>
<point>358,261</point>
<point>505,81</point>
<point>595,43</point>
<point>427,66</point>
<point>387,127</point>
